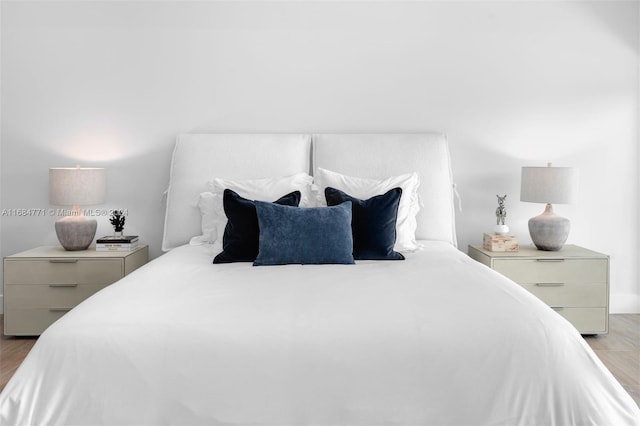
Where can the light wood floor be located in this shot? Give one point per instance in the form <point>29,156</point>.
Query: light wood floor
<point>12,352</point>
<point>619,351</point>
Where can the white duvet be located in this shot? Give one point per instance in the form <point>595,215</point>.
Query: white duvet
<point>435,339</point>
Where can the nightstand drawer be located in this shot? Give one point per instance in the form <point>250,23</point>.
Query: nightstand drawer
<point>30,322</point>
<point>587,320</point>
<point>567,271</point>
<point>570,295</point>
<point>62,271</point>
<point>52,296</point>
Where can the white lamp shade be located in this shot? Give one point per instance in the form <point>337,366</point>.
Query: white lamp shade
<point>77,186</point>
<point>552,185</point>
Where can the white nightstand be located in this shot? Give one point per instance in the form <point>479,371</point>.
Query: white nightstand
<point>42,284</point>
<point>573,281</point>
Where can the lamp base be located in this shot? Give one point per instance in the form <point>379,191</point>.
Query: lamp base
<point>549,231</point>
<point>76,232</point>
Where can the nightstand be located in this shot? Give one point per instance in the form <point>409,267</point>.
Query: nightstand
<point>42,284</point>
<point>573,281</point>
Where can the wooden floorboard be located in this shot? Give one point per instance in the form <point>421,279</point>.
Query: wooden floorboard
<point>12,351</point>
<point>619,351</point>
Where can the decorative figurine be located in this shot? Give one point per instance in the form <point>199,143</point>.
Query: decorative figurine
<point>500,240</point>
<point>117,221</point>
<point>501,214</point>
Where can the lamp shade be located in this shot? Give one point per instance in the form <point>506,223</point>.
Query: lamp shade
<point>552,185</point>
<point>77,186</point>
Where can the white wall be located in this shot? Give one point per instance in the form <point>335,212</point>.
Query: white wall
<point>518,83</point>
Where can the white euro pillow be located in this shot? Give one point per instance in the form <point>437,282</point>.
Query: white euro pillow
<point>208,219</point>
<point>213,218</point>
<point>365,188</point>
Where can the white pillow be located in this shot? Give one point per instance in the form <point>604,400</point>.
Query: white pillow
<point>213,218</point>
<point>208,219</point>
<point>366,188</point>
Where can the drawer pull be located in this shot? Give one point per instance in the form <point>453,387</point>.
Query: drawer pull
<point>63,285</point>
<point>557,308</point>
<point>549,284</point>
<point>549,260</point>
<point>59,309</point>
<point>63,261</point>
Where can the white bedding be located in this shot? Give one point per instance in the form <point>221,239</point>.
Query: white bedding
<point>435,339</point>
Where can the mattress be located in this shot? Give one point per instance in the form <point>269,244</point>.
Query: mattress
<point>435,339</point>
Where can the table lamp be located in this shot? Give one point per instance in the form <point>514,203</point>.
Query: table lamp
<point>550,185</point>
<point>76,187</point>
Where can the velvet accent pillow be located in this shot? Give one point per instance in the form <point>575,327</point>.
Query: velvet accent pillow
<point>311,235</point>
<point>373,223</point>
<point>240,239</point>
<point>363,188</point>
<point>210,202</point>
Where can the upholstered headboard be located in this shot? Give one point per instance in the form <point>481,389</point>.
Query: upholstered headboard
<point>382,155</point>
<point>199,158</point>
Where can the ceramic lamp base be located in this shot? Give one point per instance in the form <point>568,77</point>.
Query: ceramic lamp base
<point>76,232</point>
<point>548,230</point>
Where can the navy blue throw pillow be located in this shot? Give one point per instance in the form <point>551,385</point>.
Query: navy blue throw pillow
<point>311,235</point>
<point>240,240</point>
<point>373,224</point>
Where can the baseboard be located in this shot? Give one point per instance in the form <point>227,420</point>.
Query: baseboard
<point>620,303</point>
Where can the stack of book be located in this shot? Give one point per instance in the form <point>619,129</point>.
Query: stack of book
<point>119,243</point>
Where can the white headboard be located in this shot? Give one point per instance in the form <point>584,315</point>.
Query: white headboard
<point>198,158</point>
<point>379,156</point>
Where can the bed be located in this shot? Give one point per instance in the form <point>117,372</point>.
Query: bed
<point>433,339</point>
